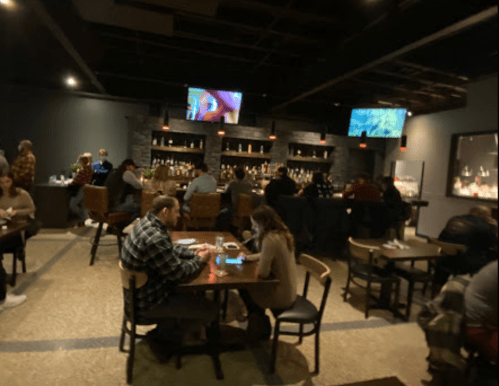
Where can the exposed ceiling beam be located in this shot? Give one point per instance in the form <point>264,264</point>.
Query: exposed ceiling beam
<point>276,20</point>
<point>241,26</point>
<point>419,80</point>
<point>403,63</point>
<point>184,49</point>
<point>446,32</point>
<point>58,33</point>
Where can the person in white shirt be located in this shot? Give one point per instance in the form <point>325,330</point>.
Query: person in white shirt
<point>203,183</point>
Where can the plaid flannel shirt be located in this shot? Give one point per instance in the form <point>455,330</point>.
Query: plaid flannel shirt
<point>149,248</point>
<point>24,170</point>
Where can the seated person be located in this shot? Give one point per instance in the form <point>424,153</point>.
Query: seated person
<point>364,190</point>
<point>281,185</point>
<point>203,183</point>
<point>478,235</point>
<point>4,165</point>
<point>83,178</point>
<point>396,209</point>
<point>276,260</point>
<point>101,169</point>
<point>235,188</point>
<point>149,248</point>
<point>481,312</point>
<point>160,183</point>
<point>319,188</point>
<point>124,187</point>
<point>15,204</point>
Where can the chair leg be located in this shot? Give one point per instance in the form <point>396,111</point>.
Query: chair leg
<point>225,305</point>
<point>301,333</point>
<point>275,343</point>
<point>119,245</point>
<point>14,269</point>
<point>213,341</point>
<point>131,357</point>
<point>368,298</point>
<point>410,293</point>
<point>23,260</point>
<point>317,349</point>
<point>122,337</point>
<point>96,243</point>
<point>347,288</point>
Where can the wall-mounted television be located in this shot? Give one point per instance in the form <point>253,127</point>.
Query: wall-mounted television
<point>211,105</point>
<point>379,123</point>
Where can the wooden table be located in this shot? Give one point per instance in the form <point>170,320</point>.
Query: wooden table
<point>419,251</point>
<point>240,276</point>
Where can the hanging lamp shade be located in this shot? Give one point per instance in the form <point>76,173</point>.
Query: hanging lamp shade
<point>403,143</point>
<point>166,121</point>
<point>273,135</point>
<point>363,140</point>
<point>221,128</point>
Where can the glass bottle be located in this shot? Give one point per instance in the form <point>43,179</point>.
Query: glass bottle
<point>162,141</point>
<point>227,148</point>
<point>192,145</point>
<point>155,142</point>
<point>201,145</point>
<point>250,148</point>
<point>325,154</point>
<point>261,149</point>
<point>240,149</point>
<point>170,142</point>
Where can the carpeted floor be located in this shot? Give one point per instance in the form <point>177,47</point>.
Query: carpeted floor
<point>67,332</point>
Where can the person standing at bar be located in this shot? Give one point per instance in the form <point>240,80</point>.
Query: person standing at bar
<point>393,199</point>
<point>364,190</point>
<point>282,185</point>
<point>24,166</point>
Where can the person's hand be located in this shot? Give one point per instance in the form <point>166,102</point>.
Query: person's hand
<point>205,255</point>
<point>201,249</point>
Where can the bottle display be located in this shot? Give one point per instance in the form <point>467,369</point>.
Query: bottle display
<point>201,145</point>
<point>170,142</point>
<point>162,141</point>
<point>155,142</point>
<point>240,148</point>
<point>249,148</point>
<point>261,149</point>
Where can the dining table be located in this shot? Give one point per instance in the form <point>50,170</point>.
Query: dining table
<point>238,276</point>
<point>417,251</point>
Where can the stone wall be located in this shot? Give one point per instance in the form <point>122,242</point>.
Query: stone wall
<point>287,132</point>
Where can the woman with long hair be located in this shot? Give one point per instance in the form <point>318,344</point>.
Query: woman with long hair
<point>160,183</point>
<point>277,261</point>
<point>16,199</point>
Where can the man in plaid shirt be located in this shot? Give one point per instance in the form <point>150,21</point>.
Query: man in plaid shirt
<point>149,248</point>
<point>24,166</point>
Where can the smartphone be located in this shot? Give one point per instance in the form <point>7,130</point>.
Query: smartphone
<point>233,261</point>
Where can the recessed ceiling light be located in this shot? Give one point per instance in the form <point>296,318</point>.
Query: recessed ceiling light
<point>409,113</point>
<point>71,81</point>
<point>6,2</point>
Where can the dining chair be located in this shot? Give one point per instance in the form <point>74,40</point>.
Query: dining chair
<point>96,199</point>
<point>205,208</point>
<point>146,199</point>
<point>363,264</point>
<point>304,311</point>
<point>244,208</point>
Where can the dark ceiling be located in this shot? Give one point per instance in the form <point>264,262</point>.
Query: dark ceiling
<point>313,59</point>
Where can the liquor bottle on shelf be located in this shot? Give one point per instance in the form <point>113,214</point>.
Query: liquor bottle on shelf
<point>325,154</point>
<point>298,153</point>
<point>249,148</point>
<point>185,144</point>
<point>201,145</point>
<point>227,147</point>
<point>155,142</point>
<point>292,152</point>
<point>170,142</point>
<point>162,143</point>
<point>240,148</point>
<point>314,155</point>
<point>261,149</point>
<point>192,145</point>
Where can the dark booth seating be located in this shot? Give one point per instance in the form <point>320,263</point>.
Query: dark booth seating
<point>370,220</point>
<point>329,223</point>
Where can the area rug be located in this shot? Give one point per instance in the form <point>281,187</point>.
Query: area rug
<point>393,381</point>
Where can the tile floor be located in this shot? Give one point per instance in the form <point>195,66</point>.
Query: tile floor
<point>67,332</point>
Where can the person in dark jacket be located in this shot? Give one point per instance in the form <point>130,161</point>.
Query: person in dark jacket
<point>396,209</point>
<point>282,185</point>
<point>478,235</point>
<point>101,169</point>
<point>319,188</point>
<point>123,186</point>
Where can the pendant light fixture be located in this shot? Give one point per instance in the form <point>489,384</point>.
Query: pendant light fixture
<point>273,135</point>
<point>403,143</point>
<point>166,120</point>
<point>363,140</point>
<point>323,136</point>
<point>221,128</point>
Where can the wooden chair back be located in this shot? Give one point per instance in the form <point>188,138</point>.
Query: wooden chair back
<point>244,205</point>
<point>362,252</point>
<point>146,201</point>
<point>96,200</point>
<point>205,208</point>
<point>316,268</point>
<point>126,275</point>
<point>448,249</point>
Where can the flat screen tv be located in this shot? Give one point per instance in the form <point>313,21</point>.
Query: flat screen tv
<point>379,123</point>
<point>211,105</point>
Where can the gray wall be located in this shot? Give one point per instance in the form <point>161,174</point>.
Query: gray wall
<point>62,126</point>
<point>429,140</point>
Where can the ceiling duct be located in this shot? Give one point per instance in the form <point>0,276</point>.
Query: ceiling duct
<point>200,7</point>
<point>110,13</point>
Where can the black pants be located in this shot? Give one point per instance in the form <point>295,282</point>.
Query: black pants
<point>7,247</point>
<point>3,282</point>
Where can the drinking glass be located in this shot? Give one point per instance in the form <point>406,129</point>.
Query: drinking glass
<point>219,243</point>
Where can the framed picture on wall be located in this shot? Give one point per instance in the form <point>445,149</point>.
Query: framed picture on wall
<point>408,176</point>
<point>473,166</point>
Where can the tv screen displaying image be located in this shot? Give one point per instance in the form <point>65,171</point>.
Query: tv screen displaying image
<point>211,105</point>
<point>379,123</point>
